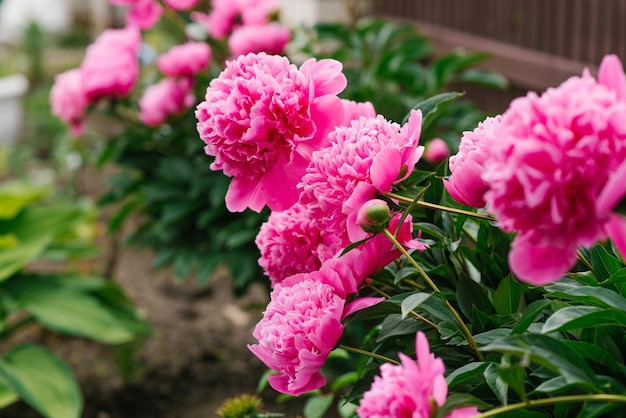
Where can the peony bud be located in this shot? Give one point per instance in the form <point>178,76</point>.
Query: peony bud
<point>374,215</point>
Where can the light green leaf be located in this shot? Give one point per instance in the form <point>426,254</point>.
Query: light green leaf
<point>575,317</point>
<point>43,381</point>
<point>466,372</point>
<point>596,296</point>
<point>317,405</point>
<point>413,302</point>
<point>16,195</point>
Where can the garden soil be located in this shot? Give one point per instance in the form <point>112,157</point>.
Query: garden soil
<point>197,357</point>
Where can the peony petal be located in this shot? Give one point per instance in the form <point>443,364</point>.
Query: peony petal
<point>613,191</point>
<point>243,193</point>
<point>611,74</point>
<point>540,264</point>
<point>386,168</point>
<point>361,303</point>
<point>616,230</point>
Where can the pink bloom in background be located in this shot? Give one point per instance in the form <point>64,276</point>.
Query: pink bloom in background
<point>68,99</point>
<point>262,119</point>
<point>466,184</point>
<point>186,60</point>
<point>354,110</point>
<point>371,154</point>
<point>410,390</point>
<point>169,96</point>
<point>552,176</point>
<point>226,13</point>
<point>270,38</point>
<point>436,151</point>
<point>290,244</point>
<point>181,4</point>
<point>142,13</point>
<point>110,67</point>
<point>300,327</point>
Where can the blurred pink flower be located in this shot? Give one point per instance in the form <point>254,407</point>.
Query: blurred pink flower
<point>300,327</point>
<point>262,119</point>
<point>551,176</point>
<point>68,99</point>
<point>290,244</point>
<point>169,96</point>
<point>354,110</point>
<point>466,184</point>
<point>186,59</point>
<point>270,38</point>
<point>110,67</point>
<point>436,151</point>
<point>142,13</point>
<point>225,14</point>
<point>181,4</point>
<point>372,152</point>
<point>410,389</point>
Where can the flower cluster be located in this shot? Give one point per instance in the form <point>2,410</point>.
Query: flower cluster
<point>548,169</point>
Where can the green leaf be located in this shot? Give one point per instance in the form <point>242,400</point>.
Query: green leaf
<point>433,107</point>
<point>548,352</point>
<point>466,372</point>
<point>470,294</point>
<point>316,406</point>
<point>456,401</point>
<point>7,394</point>
<point>16,195</point>
<point>508,296</point>
<point>412,302</point>
<point>604,264</point>
<point>495,383</point>
<point>485,78</point>
<point>514,377</point>
<point>575,317</point>
<point>43,381</point>
<point>67,309</point>
<point>394,325</point>
<point>596,296</point>
<point>530,314</point>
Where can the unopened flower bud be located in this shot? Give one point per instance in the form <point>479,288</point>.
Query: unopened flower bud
<point>374,215</point>
<point>436,151</point>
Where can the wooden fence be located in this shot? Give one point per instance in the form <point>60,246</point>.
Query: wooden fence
<point>535,43</point>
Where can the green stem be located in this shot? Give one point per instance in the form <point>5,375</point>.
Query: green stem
<point>429,205</point>
<point>552,401</point>
<point>368,354</point>
<point>466,331</point>
<point>586,262</point>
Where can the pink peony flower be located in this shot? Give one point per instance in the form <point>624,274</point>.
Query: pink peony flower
<point>110,67</point>
<point>410,390</point>
<point>186,60</point>
<point>262,119</point>
<point>290,244</point>
<point>270,38</point>
<point>181,4</point>
<point>142,13</point>
<point>551,176</point>
<point>68,99</point>
<point>371,154</point>
<point>354,110</point>
<point>226,14</point>
<point>169,96</point>
<point>466,184</point>
<point>300,327</point>
<point>436,151</point>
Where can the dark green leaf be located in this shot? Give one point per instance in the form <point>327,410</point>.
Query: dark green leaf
<point>433,107</point>
<point>508,296</point>
<point>465,373</point>
<point>514,377</point>
<point>485,78</point>
<point>470,294</point>
<point>495,383</point>
<point>575,317</point>
<point>596,296</point>
<point>530,314</point>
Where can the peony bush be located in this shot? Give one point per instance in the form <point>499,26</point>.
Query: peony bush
<point>422,259</point>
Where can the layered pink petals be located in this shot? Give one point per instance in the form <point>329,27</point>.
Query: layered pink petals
<point>354,110</point>
<point>185,60</point>
<point>169,96</point>
<point>300,327</point>
<point>411,390</point>
<point>68,100</point>
<point>143,14</point>
<point>262,118</point>
<point>111,67</point>
<point>290,244</point>
<point>270,38</point>
<point>466,184</point>
<point>226,15</point>
<point>365,158</point>
<point>181,4</point>
<point>552,175</point>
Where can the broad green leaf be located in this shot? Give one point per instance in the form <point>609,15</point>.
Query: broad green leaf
<point>16,195</point>
<point>43,381</point>
<point>495,383</point>
<point>492,335</point>
<point>316,406</point>
<point>466,372</point>
<point>68,310</point>
<point>508,296</point>
<point>604,264</point>
<point>548,352</point>
<point>394,325</point>
<point>456,401</point>
<point>470,294</point>
<point>412,302</point>
<point>514,377</point>
<point>596,296</point>
<point>530,314</point>
<point>485,78</point>
<point>575,317</point>
<point>7,393</point>
<point>433,107</point>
